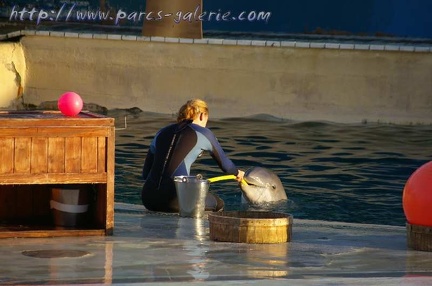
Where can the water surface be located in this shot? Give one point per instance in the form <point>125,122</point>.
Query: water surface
<point>330,171</point>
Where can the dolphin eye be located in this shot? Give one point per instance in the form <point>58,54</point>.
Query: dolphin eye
<point>274,187</point>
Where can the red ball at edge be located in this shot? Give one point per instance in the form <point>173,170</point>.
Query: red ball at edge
<point>417,196</point>
<point>70,103</point>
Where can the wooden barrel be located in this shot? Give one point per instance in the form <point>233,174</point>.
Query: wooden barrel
<point>419,237</point>
<point>250,227</point>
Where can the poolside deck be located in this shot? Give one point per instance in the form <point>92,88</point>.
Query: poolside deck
<point>159,249</point>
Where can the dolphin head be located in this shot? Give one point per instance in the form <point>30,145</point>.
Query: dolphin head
<point>260,185</point>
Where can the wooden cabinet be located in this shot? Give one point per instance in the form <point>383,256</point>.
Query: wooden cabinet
<point>42,150</point>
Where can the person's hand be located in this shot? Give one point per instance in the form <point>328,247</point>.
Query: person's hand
<point>240,175</point>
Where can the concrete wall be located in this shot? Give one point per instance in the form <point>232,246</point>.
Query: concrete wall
<point>12,72</point>
<point>342,85</point>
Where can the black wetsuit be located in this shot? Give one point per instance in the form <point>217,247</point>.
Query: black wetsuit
<point>171,153</point>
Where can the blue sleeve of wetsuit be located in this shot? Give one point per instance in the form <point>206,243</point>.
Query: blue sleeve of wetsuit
<point>217,153</point>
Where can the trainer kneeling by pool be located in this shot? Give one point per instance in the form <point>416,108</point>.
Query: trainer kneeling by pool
<point>172,152</point>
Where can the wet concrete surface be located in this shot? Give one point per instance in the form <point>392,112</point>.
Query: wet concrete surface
<point>160,248</point>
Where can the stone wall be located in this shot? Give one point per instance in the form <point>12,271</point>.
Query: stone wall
<point>12,72</point>
<point>341,83</point>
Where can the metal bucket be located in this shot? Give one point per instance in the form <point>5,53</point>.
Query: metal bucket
<point>69,206</point>
<point>191,194</point>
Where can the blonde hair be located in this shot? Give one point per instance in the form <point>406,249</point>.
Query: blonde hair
<point>191,109</point>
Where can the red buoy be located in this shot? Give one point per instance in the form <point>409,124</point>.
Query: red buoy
<point>417,196</point>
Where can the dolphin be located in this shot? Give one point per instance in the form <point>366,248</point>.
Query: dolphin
<point>260,185</point>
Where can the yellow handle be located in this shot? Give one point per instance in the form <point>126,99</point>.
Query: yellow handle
<point>223,178</point>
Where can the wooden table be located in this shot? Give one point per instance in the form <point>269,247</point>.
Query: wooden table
<point>42,150</point>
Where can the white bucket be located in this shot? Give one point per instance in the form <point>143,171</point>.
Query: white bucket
<point>69,206</point>
<point>191,194</point>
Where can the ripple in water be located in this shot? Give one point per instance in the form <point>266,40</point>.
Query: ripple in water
<point>334,172</point>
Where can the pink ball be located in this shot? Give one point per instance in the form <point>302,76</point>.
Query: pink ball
<point>70,103</point>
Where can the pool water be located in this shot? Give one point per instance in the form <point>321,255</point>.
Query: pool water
<point>330,171</point>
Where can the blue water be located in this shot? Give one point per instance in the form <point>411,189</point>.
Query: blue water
<point>333,172</point>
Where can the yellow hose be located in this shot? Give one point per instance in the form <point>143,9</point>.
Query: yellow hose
<point>223,178</point>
